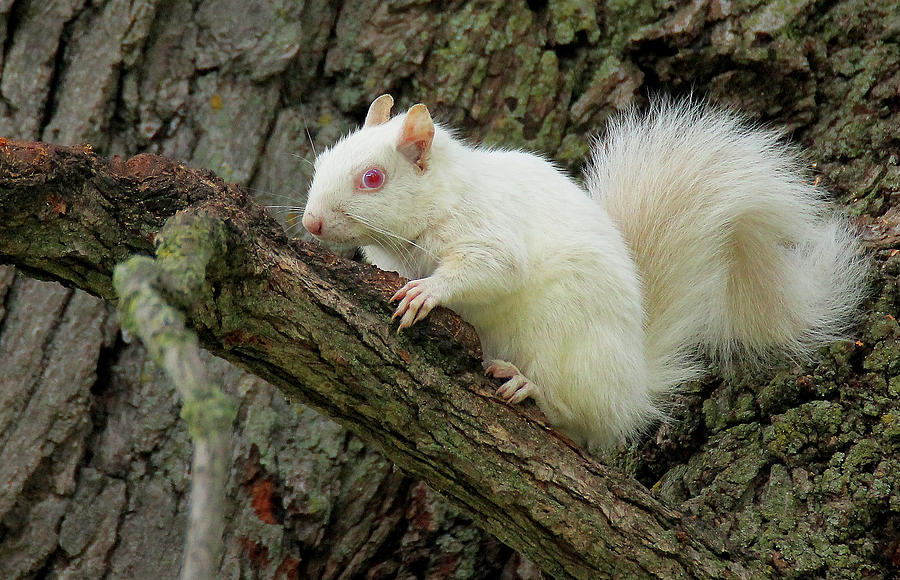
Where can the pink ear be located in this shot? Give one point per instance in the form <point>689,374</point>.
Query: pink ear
<point>379,111</point>
<point>416,136</point>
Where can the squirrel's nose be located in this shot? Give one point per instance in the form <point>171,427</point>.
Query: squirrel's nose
<point>312,223</point>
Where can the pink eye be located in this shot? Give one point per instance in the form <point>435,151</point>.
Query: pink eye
<point>372,179</point>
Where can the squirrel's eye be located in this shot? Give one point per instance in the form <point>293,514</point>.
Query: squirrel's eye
<point>372,179</point>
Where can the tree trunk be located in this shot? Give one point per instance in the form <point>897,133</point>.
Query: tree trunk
<point>796,471</point>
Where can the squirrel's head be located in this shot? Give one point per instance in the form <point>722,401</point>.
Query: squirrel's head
<point>366,187</point>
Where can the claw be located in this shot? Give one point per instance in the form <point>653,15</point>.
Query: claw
<point>399,294</point>
<point>416,301</point>
<point>501,369</point>
<point>517,388</point>
<point>525,391</point>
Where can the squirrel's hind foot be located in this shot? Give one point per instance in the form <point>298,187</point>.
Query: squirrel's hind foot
<point>517,388</point>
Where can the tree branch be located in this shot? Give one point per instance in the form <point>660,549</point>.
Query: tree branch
<point>143,284</point>
<point>318,327</point>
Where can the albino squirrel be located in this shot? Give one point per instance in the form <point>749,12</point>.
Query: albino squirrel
<point>698,233</point>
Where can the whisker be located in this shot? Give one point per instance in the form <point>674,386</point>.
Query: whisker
<point>283,196</point>
<point>301,157</point>
<point>294,229</point>
<point>398,244</point>
<point>403,252</point>
<point>369,224</point>
<point>288,215</point>
<point>258,190</point>
<point>388,237</point>
<point>306,127</point>
<point>311,144</point>
<point>382,238</point>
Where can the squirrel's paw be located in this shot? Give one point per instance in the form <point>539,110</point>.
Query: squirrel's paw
<point>517,388</point>
<point>417,299</point>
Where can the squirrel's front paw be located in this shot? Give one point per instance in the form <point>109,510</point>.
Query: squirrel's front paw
<point>417,299</point>
<point>517,388</point>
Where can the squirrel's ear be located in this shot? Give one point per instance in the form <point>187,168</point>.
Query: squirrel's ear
<point>416,136</point>
<point>379,111</point>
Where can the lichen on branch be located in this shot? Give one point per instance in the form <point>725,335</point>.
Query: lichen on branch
<point>152,294</point>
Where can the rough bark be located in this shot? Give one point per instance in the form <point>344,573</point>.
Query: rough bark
<point>798,468</point>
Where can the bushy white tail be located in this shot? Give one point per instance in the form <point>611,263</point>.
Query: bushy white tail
<point>739,254</point>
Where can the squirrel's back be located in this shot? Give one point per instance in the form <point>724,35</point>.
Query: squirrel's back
<point>739,254</point>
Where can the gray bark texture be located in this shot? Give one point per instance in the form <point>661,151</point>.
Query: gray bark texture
<point>792,472</point>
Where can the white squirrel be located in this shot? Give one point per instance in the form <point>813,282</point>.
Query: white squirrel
<point>698,233</point>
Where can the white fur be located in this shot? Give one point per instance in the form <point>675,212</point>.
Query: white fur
<point>705,234</point>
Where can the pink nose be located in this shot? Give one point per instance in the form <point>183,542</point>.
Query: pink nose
<point>312,223</point>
